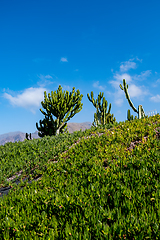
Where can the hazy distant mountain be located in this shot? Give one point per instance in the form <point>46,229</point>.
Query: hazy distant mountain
<point>20,136</point>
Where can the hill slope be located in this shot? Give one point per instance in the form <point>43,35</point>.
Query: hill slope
<point>102,183</point>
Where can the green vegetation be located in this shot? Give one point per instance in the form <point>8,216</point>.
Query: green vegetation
<point>99,188</point>
<point>101,117</point>
<point>61,105</point>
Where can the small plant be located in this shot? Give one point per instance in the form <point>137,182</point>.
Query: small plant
<point>28,135</point>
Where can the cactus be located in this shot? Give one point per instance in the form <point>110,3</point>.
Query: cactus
<point>58,104</point>
<point>48,127</point>
<point>129,116</point>
<point>140,110</point>
<point>101,117</point>
<point>28,135</point>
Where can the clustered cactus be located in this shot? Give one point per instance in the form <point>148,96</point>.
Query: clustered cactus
<point>101,117</point>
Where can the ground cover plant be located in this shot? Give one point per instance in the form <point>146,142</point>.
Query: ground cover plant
<point>104,187</point>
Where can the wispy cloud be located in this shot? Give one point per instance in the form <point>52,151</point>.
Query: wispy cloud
<point>44,77</point>
<point>97,86</point>
<point>66,88</point>
<point>30,98</point>
<point>48,76</point>
<point>125,66</point>
<point>64,59</point>
<point>101,88</point>
<point>155,98</point>
<point>135,91</point>
<point>142,76</point>
<point>156,83</point>
<point>119,77</point>
<point>140,60</point>
<point>45,80</point>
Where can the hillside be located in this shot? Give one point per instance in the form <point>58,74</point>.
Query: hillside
<point>102,183</point>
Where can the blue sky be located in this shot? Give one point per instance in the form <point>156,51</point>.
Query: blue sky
<point>89,45</point>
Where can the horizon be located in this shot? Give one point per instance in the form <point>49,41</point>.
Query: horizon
<point>91,46</point>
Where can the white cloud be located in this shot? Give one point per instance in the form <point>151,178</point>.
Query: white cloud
<point>155,98</point>
<point>101,88</point>
<point>142,76</point>
<point>31,98</point>
<point>125,66</point>
<point>118,101</point>
<point>64,59</point>
<point>67,88</point>
<point>96,85</point>
<point>45,80</point>
<point>43,77</point>
<point>48,76</point>
<point>119,80</point>
<point>135,91</point>
<point>140,60</point>
<point>156,84</point>
<point>120,77</point>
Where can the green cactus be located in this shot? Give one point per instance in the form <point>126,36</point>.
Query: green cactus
<point>61,105</point>
<point>101,117</point>
<point>28,135</point>
<point>48,127</point>
<point>140,110</point>
<point>129,116</point>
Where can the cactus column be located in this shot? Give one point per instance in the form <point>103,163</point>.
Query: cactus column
<point>140,110</point>
<point>61,105</point>
<point>101,117</point>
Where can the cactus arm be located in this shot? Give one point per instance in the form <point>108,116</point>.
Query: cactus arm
<point>92,100</point>
<point>127,95</point>
<point>140,110</point>
<point>109,108</point>
<point>129,116</point>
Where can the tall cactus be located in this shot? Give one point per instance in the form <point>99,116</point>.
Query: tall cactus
<point>140,110</point>
<point>63,106</point>
<point>101,117</point>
